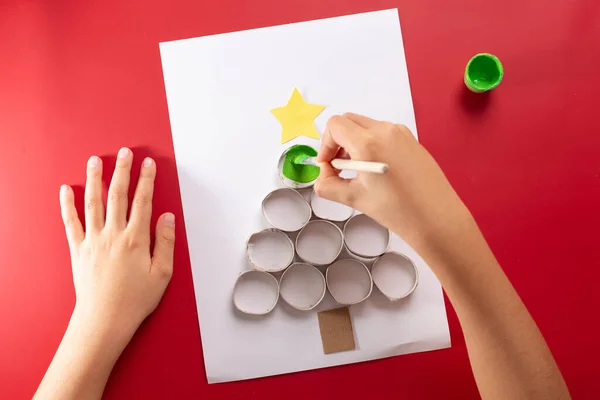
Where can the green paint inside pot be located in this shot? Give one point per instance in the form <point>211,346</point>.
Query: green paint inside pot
<point>298,172</point>
<point>484,72</point>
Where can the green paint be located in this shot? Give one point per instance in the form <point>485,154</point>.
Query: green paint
<point>297,172</point>
<point>484,72</point>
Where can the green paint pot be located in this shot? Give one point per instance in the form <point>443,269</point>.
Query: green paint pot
<point>484,72</point>
<point>297,176</point>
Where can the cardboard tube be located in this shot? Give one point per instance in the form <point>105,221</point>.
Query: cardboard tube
<point>329,210</point>
<point>255,292</point>
<point>349,281</point>
<point>270,250</point>
<point>365,237</point>
<point>285,180</point>
<point>302,286</point>
<point>395,275</point>
<point>286,209</point>
<point>320,242</point>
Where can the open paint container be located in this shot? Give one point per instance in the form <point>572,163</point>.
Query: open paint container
<point>286,209</point>
<point>297,176</point>
<point>484,72</point>
<point>255,292</point>
<point>302,286</point>
<point>395,275</point>
<point>349,281</point>
<point>270,250</point>
<point>366,238</point>
<point>319,242</point>
<point>329,210</point>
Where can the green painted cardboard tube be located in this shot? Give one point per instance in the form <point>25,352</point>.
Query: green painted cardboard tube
<point>484,72</point>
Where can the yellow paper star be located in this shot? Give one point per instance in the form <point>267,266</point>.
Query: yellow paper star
<point>297,117</point>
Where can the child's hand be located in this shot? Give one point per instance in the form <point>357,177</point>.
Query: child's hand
<point>413,199</point>
<point>118,283</point>
<point>509,356</point>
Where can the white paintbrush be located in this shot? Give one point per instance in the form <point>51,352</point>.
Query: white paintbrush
<point>351,165</point>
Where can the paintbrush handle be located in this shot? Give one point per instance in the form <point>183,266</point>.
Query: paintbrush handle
<point>352,165</point>
<point>360,166</point>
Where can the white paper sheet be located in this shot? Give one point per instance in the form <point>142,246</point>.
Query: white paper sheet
<point>220,90</point>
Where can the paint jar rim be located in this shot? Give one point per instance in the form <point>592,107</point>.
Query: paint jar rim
<point>487,61</point>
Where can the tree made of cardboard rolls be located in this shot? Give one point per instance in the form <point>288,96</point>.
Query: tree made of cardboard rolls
<point>314,246</point>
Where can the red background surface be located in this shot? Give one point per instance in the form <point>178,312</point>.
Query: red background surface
<point>84,77</point>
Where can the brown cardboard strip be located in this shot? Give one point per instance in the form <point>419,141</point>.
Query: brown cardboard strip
<point>336,330</point>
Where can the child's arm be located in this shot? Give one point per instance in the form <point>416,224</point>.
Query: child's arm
<point>118,282</point>
<point>509,357</point>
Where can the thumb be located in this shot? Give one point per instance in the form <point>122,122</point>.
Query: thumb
<point>164,245</point>
<point>331,187</point>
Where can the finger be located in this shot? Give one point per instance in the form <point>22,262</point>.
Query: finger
<point>141,209</point>
<point>329,148</point>
<point>73,226</point>
<point>116,206</point>
<point>94,209</point>
<point>340,132</point>
<point>362,121</point>
<point>164,245</point>
<point>343,154</point>
<point>331,187</point>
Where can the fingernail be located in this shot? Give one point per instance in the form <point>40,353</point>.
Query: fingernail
<point>124,152</point>
<point>147,162</point>
<point>64,189</point>
<point>169,219</point>
<point>93,162</point>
